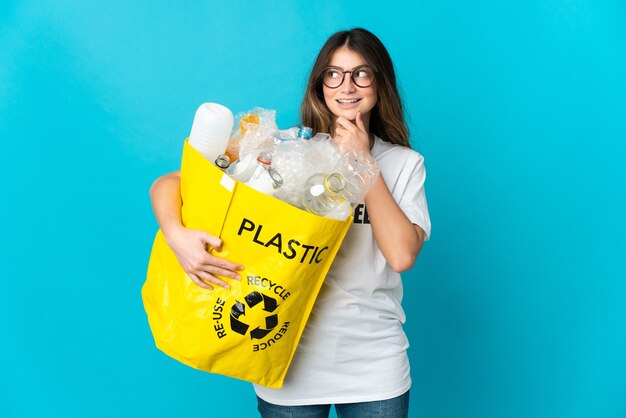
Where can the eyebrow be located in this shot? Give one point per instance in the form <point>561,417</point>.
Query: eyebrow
<point>351,69</point>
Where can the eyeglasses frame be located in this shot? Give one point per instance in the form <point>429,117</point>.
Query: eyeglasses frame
<point>343,75</point>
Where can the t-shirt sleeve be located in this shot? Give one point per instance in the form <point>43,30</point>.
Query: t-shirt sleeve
<point>413,200</point>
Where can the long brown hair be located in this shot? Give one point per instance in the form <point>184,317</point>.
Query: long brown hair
<point>387,117</point>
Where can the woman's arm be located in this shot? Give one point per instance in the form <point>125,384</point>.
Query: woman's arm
<point>398,238</point>
<point>189,245</point>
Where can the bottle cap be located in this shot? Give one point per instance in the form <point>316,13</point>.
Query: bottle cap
<point>305,132</point>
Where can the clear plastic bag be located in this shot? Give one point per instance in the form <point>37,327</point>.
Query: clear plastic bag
<point>253,131</point>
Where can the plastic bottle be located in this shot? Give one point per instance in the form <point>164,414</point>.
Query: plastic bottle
<point>264,160</point>
<point>360,172</point>
<point>222,162</point>
<point>240,169</point>
<point>340,212</point>
<point>265,178</point>
<point>321,193</point>
<point>249,168</point>
<point>211,129</point>
<point>267,182</point>
<point>290,163</point>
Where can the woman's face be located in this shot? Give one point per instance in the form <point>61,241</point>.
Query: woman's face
<point>348,99</point>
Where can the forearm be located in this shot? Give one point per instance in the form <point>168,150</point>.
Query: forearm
<point>398,238</point>
<point>167,203</point>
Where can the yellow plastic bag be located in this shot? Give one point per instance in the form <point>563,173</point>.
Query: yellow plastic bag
<point>251,331</point>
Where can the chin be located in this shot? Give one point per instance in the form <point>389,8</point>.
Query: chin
<point>348,114</point>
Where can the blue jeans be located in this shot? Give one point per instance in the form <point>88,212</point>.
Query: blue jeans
<point>389,408</point>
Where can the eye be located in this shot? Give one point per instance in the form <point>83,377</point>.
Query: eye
<point>332,74</point>
<point>363,73</point>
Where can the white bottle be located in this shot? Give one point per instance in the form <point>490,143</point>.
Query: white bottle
<point>211,130</point>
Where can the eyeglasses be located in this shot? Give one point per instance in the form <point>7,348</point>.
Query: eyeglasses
<point>362,76</point>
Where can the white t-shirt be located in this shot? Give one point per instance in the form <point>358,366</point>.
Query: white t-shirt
<point>353,348</point>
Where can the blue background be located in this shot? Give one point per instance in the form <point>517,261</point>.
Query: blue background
<point>515,307</point>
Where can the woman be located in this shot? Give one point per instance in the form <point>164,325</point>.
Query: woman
<point>353,350</point>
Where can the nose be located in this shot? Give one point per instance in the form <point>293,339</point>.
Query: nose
<point>349,86</point>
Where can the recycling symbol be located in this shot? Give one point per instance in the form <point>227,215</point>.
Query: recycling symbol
<point>253,299</point>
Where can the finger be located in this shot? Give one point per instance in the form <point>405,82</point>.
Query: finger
<point>344,123</point>
<point>214,261</point>
<point>359,122</point>
<point>212,240</point>
<point>209,278</point>
<point>199,282</point>
<point>342,132</point>
<point>222,272</point>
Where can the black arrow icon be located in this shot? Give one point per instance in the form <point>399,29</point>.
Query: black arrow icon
<point>239,309</point>
<point>270,323</point>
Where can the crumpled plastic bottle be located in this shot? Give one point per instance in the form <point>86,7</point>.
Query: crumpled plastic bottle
<point>321,193</point>
<point>360,172</point>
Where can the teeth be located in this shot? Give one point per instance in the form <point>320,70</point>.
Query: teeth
<point>347,100</point>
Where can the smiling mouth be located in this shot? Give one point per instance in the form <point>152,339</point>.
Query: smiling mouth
<point>348,101</point>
